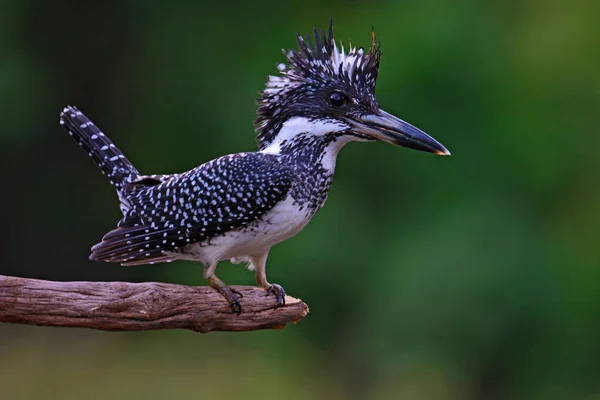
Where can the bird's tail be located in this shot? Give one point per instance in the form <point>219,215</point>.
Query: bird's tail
<point>109,158</point>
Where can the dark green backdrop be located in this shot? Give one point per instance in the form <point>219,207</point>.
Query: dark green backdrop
<point>470,277</point>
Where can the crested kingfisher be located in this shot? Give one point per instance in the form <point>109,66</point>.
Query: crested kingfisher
<point>238,206</point>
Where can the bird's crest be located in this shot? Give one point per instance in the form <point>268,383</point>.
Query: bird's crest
<point>315,64</point>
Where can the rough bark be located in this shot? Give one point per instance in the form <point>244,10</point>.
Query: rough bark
<point>122,306</point>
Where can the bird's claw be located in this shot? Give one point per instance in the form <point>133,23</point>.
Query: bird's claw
<point>236,307</point>
<point>278,291</point>
<point>233,297</point>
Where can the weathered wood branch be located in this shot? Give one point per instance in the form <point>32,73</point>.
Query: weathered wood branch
<point>122,306</point>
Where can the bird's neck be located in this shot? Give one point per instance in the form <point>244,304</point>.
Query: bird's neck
<point>310,150</point>
<point>306,143</point>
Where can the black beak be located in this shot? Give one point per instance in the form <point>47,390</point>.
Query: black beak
<point>386,127</point>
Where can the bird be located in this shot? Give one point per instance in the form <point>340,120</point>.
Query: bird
<point>236,207</point>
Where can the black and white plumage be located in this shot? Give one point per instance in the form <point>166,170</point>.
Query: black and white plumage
<point>238,206</point>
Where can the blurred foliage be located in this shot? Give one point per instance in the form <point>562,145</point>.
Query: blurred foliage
<point>469,277</point>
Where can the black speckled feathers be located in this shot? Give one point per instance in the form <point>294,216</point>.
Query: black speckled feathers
<point>109,158</point>
<point>212,199</point>
<point>166,213</point>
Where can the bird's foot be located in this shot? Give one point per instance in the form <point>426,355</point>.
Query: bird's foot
<point>233,297</point>
<point>278,291</point>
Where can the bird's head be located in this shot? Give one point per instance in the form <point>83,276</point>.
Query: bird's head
<point>322,89</point>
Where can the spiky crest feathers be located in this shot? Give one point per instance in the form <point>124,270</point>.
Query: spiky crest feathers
<point>315,63</point>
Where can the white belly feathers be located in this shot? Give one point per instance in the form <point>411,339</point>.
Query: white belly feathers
<point>280,223</point>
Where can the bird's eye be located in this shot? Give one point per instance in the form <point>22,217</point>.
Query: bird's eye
<point>337,99</point>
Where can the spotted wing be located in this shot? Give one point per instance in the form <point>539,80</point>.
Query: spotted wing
<point>214,198</point>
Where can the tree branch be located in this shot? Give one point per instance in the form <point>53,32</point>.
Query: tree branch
<point>122,306</point>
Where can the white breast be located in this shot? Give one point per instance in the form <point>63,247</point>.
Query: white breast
<point>280,223</point>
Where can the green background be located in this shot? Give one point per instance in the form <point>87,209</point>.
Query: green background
<point>475,276</point>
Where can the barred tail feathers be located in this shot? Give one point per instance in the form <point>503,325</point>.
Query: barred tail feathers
<point>99,147</point>
<point>136,245</point>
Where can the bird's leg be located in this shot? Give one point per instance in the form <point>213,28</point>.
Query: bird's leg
<point>232,295</point>
<point>259,263</point>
